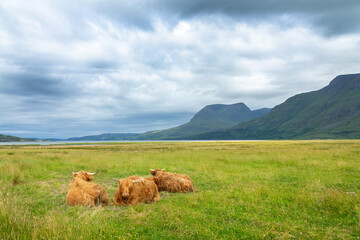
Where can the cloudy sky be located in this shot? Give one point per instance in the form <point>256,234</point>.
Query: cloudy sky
<point>75,68</point>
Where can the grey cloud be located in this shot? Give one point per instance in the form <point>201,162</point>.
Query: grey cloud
<point>333,17</point>
<point>340,21</point>
<point>102,65</point>
<point>127,13</point>
<point>264,8</point>
<point>151,118</point>
<point>32,84</point>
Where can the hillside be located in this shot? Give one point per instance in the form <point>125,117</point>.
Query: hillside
<point>331,112</point>
<point>105,137</point>
<point>210,118</point>
<point>7,138</point>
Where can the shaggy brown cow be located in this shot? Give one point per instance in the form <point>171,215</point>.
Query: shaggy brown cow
<point>135,189</point>
<point>83,192</point>
<point>172,182</point>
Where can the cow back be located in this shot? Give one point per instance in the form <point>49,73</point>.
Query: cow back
<point>173,182</point>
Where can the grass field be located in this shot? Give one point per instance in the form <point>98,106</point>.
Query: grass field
<point>244,190</point>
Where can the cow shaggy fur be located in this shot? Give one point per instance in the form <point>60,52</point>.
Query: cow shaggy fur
<point>135,189</point>
<point>172,182</point>
<point>83,192</point>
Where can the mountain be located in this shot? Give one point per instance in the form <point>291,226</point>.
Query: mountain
<point>47,139</point>
<point>7,138</point>
<point>331,112</point>
<point>210,118</point>
<point>105,137</point>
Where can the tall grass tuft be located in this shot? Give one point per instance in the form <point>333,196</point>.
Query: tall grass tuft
<point>17,175</point>
<point>12,172</point>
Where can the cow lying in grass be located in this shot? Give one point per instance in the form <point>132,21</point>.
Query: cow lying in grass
<point>172,182</point>
<point>135,189</point>
<point>83,192</point>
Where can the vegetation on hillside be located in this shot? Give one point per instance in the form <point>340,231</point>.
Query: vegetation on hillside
<point>210,118</point>
<point>8,138</point>
<point>105,137</point>
<point>332,112</point>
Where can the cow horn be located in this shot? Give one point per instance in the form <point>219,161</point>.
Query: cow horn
<point>93,173</point>
<point>72,172</point>
<point>152,169</point>
<point>117,180</point>
<point>164,169</point>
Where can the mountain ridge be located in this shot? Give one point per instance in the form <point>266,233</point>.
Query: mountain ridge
<point>331,112</point>
<point>9,138</point>
<point>105,137</point>
<point>210,117</point>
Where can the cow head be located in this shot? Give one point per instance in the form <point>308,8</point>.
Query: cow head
<point>157,172</point>
<point>86,176</point>
<point>126,185</point>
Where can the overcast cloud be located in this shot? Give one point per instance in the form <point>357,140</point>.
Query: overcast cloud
<point>74,68</point>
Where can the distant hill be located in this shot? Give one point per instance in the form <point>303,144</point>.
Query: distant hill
<point>331,112</point>
<point>210,118</point>
<point>47,139</point>
<point>105,137</point>
<point>7,138</point>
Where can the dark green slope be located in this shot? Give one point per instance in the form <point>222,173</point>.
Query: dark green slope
<point>331,112</point>
<point>210,118</point>
<point>7,138</point>
<point>105,137</point>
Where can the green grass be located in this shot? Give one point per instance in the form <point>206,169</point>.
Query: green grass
<point>244,190</point>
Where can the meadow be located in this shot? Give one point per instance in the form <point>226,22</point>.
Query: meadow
<point>243,190</point>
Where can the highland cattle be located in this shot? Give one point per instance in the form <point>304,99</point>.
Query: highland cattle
<point>83,192</point>
<point>135,189</point>
<point>172,182</point>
